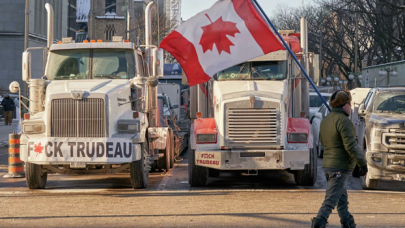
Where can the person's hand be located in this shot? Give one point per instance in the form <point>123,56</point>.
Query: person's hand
<point>356,172</point>
<point>363,170</point>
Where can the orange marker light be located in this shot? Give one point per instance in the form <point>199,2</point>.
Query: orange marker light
<point>92,41</point>
<point>60,42</point>
<point>135,115</point>
<point>99,41</point>
<point>85,41</point>
<point>27,116</point>
<point>126,41</point>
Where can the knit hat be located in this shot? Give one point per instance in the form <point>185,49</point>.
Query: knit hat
<point>340,98</point>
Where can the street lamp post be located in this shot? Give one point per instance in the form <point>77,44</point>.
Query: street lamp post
<point>356,41</point>
<point>352,76</point>
<point>329,80</point>
<point>335,84</point>
<point>388,71</point>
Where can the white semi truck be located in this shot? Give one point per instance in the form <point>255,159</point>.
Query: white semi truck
<point>95,110</point>
<point>254,117</point>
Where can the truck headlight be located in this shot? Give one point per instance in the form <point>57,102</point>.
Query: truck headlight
<point>297,137</point>
<point>206,138</point>
<point>128,126</point>
<point>34,128</point>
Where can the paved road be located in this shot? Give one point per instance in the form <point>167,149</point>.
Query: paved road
<point>231,200</point>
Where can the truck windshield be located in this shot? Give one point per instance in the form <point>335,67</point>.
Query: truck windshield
<point>265,70</point>
<point>105,63</point>
<point>389,101</point>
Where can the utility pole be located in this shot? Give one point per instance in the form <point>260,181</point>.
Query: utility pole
<point>303,8</point>
<point>320,45</point>
<point>26,36</point>
<point>128,17</point>
<point>356,42</point>
<point>158,22</point>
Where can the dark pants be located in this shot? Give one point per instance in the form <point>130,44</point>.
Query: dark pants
<point>8,116</point>
<point>336,194</point>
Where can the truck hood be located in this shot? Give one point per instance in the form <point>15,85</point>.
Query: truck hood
<point>91,86</point>
<point>392,120</point>
<point>234,89</point>
<point>242,86</point>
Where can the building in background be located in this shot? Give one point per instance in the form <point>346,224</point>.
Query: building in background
<point>173,13</point>
<point>82,14</point>
<point>383,75</point>
<point>108,18</point>
<point>12,24</point>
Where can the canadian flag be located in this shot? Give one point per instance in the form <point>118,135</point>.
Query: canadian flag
<point>228,33</point>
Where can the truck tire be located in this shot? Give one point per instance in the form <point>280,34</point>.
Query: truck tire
<point>366,182</point>
<point>139,170</point>
<point>35,180</point>
<point>164,162</point>
<point>197,175</point>
<point>307,176</point>
<point>213,172</point>
<point>319,150</point>
<point>172,147</point>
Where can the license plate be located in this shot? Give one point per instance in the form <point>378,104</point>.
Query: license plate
<point>76,165</point>
<point>297,165</point>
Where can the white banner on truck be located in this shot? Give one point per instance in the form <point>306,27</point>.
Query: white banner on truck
<point>93,150</point>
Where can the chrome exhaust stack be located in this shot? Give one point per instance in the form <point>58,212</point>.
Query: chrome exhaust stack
<point>148,34</point>
<point>151,55</point>
<point>50,28</point>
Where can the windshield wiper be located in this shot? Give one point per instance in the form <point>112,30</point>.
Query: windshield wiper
<point>107,75</point>
<point>253,69</point>
<point>240,70</point>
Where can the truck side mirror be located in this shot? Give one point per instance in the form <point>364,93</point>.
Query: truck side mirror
<point>311,118</point>
<point>26,66</point>
<point>318,115</point>
<point>160,63</point>
<point>362,110</point>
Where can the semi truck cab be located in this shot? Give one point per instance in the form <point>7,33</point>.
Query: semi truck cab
<point>250,124</point>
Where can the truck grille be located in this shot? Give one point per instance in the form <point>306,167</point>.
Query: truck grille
<point>253,126</point>
<point>78,118</point>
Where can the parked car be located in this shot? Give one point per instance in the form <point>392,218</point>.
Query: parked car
<point>315,129</point>
<point>382,114</point>
<point>315,102</point>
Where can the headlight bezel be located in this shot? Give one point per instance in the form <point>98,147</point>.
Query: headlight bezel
<point>128,126</point>
<point>33,128</point>
<point>300,137</point>
<point>201,140</point>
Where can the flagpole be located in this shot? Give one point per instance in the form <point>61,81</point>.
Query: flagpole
<point>292,54</point>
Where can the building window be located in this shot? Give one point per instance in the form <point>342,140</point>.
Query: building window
<point>109,32</point>
<point>112,9</point>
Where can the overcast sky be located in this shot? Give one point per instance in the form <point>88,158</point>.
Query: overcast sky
<point>190,8</point>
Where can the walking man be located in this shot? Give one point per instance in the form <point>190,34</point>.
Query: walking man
<point>8,106</point>
<point>341,154</point>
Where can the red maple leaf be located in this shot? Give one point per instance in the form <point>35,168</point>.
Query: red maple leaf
<point>216,33</point>
<point>38,148</point>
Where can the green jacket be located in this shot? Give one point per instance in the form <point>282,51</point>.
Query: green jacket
<point>338,138</point>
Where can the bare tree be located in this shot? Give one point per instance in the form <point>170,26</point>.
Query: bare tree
<point>381,31</point>
<point>161,27</point>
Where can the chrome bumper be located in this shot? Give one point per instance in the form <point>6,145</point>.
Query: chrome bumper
<point>386,166</point>
<point>251,159</point>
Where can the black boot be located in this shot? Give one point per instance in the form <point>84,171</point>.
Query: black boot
<point>319,223</point>
<point>348,223</point>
